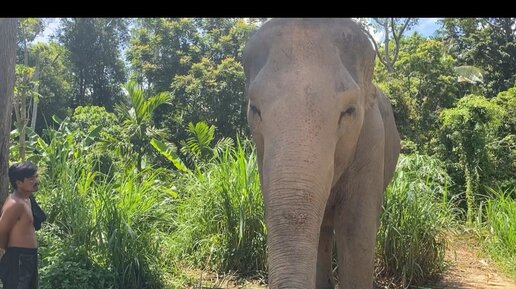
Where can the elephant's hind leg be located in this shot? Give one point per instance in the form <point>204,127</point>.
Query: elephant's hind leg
<point>324,276</point>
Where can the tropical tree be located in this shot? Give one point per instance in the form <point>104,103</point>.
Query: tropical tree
<point>392,29</point>
<point>488,43</point>
<point>28,29</point>
<point>212,93</point>
<point>467,130</point>
<point>23,90</point>
<point>161,48</point>
<point>198,61</point>
<point>7,75</point>
<point>54,84</point>
<point>95,46</point>
<point>212,89</point>
<point>423,84</point>
<point>137,122</point>
<point>504,147</point>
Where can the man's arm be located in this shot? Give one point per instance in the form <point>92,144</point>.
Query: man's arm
<point>10,216</point>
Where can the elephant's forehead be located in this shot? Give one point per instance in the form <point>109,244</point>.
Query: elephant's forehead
<point>309,46</point>
<point>324,26</point>
<point>318,32</point>
<point>304,59</point>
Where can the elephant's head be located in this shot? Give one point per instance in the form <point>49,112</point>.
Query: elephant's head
<point>309,87</point>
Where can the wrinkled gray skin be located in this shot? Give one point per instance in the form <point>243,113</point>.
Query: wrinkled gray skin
<point>327,147</point>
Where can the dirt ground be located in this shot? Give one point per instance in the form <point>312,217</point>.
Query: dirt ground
<point>467,270</point>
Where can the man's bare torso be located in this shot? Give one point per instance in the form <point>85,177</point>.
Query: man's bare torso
<point>22,233</point>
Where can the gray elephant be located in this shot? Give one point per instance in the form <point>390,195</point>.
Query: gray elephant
<point>327,147</point>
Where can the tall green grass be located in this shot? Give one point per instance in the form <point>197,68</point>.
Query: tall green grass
<point>117,228</point>
<point>411,243</point>
<point>130,212</point>
<point>101,231</point>
<point>67,240</point>
<point>220,215</point>
<point>500,222</point>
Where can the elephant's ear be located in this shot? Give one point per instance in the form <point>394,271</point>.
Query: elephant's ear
<point>357,55</point>
<point>255,56</point>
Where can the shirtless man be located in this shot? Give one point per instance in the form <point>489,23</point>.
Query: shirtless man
<point>19,264</point>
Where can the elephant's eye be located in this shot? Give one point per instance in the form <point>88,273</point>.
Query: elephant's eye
<point>255,111</point>
<point>349,112</point>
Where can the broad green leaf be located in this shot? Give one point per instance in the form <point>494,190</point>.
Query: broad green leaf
<point>167,153</point>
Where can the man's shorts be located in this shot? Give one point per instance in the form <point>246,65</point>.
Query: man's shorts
<point>19,268</point>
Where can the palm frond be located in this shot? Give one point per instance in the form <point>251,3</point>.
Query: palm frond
<point>470,74</point>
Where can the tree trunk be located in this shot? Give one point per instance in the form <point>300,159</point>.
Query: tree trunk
<point>35,100</point>
<point>7,76</point>
<point>22,121</point>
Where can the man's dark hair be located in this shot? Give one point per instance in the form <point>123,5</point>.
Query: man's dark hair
<point>20,171</point>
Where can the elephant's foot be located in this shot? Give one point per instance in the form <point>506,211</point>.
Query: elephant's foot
<point>326,285</point>
<point>325,282</point>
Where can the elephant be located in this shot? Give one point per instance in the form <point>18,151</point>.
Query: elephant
<point>327,147</point>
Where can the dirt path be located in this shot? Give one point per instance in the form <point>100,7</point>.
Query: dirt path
<point>470,270</point>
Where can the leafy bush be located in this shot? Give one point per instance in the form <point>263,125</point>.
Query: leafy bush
<point>411,242</point>
<point>220,215</point>
<point>71,268</point>
<point>111,226</point>
<point>500,240</point>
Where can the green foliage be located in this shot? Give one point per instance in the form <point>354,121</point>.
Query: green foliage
<point>500,241</point>
<point>393,29</point>
<point>24,82</point>
<point>98,127</point>
<point>128,216</point>
<point>111,223</point>
<point>30,145</point>
<point>504,147</point>
<point>57,148</point>
<point>198,61</point>
<point>66,266</point>
<point>197,148</point>
<point>220,215</point>
<point>137,124</point>
<point>169,152</point>
<point>87,118</point>
<point>162,48</point>
<point>411,241</point>
<point>94,47</point>
<point>76,137</point>
<point>213,93</point>
<point>422,85</point>
<point>23,97</point>
<point>55,82</point>
<point>224,37</point>
<point>29,28</point>
<point>467,130</point>
<point>488,43</point>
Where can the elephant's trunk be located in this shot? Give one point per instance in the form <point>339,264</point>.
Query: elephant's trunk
<point>296,186</point>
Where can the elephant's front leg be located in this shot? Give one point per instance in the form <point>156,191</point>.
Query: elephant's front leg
<point>324,276</point>
<point>356,217</point>
<point>358,206</point>
<point>355,234</point>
